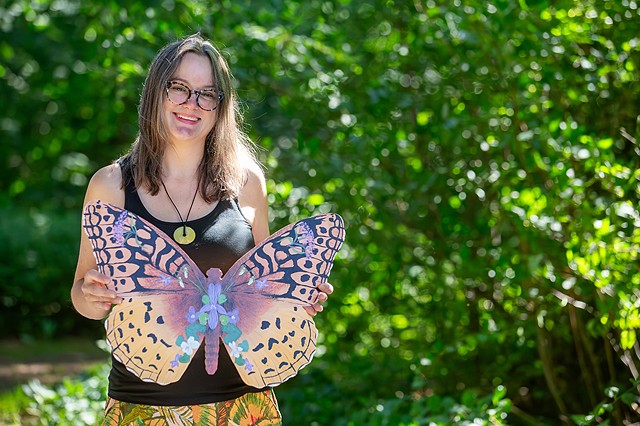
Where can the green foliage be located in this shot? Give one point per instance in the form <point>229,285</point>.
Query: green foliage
<point>80,401</point>
<point>401,410</point>
<point>40,249</point>
<point>601,413</point>
<point>484,157</point>
<point>74,401</point>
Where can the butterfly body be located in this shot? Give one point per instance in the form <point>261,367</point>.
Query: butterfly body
<point>170,308</point>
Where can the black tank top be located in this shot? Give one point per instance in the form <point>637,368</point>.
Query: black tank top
<point>222,237</point>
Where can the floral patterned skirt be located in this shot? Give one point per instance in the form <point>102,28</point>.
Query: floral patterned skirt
<point>259,408</point>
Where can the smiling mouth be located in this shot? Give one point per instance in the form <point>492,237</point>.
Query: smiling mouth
<point>184,117</point>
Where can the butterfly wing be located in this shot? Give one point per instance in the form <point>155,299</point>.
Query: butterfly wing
<point>266,331</point>
<point>162,320</point>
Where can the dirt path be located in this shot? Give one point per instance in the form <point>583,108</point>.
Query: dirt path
<point>48,362</point>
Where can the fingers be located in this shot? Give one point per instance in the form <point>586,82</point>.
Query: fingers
<point>95,291</point>
<point>322,297</point>
<point>314,309</point>
<point>96,277</point>
<point>325,288</point>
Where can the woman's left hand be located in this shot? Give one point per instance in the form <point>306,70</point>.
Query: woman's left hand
<point>324,290</point>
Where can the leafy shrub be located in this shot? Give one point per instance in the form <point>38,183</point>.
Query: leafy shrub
<point>75,401</point>
<point>80,401</point>
<point>41,251</point>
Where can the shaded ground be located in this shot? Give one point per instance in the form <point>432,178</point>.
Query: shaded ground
<point>47,361</point>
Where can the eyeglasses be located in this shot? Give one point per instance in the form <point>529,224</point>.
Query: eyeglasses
<point>206,99</point>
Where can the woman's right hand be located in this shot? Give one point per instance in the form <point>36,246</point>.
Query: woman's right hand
<point>95,292</point>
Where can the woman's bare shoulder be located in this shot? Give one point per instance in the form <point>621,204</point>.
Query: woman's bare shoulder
<point>254,187</point>
<point>254,173</point>
<point>106,185</point>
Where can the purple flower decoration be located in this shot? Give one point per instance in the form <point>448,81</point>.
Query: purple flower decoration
<point>247,365</point>
<point>214,307</point>
<point>118,229</point>
<point>233,316</point>
<point>165,279</point>
<point>261,284</point>
<point>174,363</point>
<point>192,315</point>
<point>306,238</point>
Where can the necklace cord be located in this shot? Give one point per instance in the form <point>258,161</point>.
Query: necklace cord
<point>184,222</point>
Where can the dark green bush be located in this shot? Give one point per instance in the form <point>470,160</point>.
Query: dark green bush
<point>40,250</point>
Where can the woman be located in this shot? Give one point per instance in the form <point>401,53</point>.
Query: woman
<point>190,172</point>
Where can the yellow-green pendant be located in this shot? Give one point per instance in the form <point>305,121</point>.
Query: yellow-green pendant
<point>184,235</point>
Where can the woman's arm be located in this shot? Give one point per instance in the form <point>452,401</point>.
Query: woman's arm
<point>254,205</point>
<point>253,202</point>
<point>89,294</point>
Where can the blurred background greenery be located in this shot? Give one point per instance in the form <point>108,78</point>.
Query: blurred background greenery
<point>483,154</point>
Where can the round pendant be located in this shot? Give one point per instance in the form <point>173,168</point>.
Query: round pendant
<point>184,235</point>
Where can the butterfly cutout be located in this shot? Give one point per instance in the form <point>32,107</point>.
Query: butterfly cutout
<point>170,307</point>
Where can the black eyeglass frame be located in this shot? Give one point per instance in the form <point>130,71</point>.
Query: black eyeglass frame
<point>191,91</point>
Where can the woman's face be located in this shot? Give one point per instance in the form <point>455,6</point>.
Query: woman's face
<point>188,122</point>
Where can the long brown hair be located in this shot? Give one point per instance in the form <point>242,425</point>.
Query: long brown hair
<point>228,150</point>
